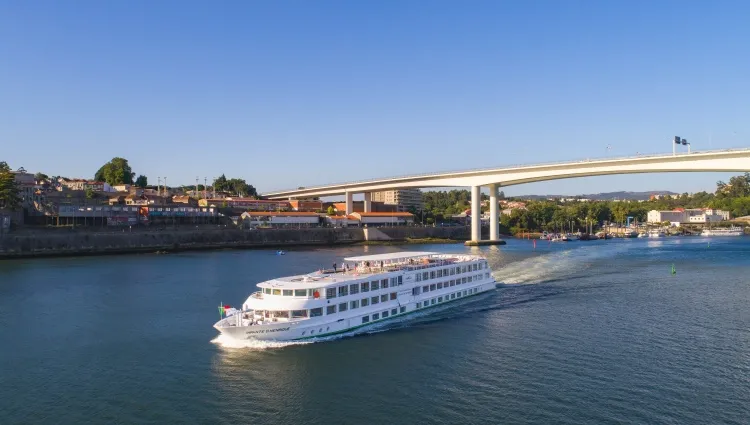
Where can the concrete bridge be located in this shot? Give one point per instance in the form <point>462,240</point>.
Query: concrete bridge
<point>733,160</point>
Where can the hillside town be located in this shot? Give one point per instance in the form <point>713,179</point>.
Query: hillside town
<point>116,199</point>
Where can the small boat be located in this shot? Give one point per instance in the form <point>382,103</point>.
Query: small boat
<point>280,252</point>
<point>656,233</point>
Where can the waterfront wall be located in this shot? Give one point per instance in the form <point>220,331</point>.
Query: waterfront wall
<point>63,243</point>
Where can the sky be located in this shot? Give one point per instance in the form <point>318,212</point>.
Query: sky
<point>299,93</point>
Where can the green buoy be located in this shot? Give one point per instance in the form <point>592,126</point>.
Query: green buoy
<point>674,271</point>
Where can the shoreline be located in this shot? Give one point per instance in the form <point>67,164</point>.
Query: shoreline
<point>50,245</point>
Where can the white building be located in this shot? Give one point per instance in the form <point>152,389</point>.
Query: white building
<point>280,219</point>
<point>404,198</point>
<point>688,216</point>
<point>381,218</point>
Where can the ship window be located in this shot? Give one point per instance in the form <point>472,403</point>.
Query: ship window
<point>365,319</point>
<point>440,273</point>
<point>432,301</point>
<point>464,293</point>
<point>376,316</point>
<point>463,269</point>
<point>417,277</point>
<point>440,285</point>
<point>384,283</point>
<point>393,295</point>
<point>469,278</point>
<point>331,309</point>
<point>419,305</point>
<point>330,292</point>
<point>453,296</point>
<point>342,307</point>
<point>297,314</point>
<point>425,276</point>
<point>385,314</point>
<point>316,312</point>
<point>453,283</point>
<point>353,304</point>
<point>267,291</point>
<point>394,282</point>
<point>453,271</point>
<point>343,291</point>
<point>463,280</point>
<point>402,310</point>
<point>374,300</point>
<point>426,288</point>
<point>475,267</point>
<point>375,285</point>
<point>384,298</point>
<point>458,294</point>
<point>440,299</point>
<point>300,292</point>
<point>365,286</point>
<point>458,270</point>
<point>433,287</point>
<point>400,280</point>
<point>277,291</point>
<point>365,302</point>
<point>415,291</point>
<point>354,288</point>
<point>432,274</point>
<point>393,312</point>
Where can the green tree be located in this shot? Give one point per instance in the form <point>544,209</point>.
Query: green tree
<point>141,181</point>
<point>10,197</point>
<point>331,210</point>
<point>40,176</point>
<point>90,193</point>
<point>116,171</point>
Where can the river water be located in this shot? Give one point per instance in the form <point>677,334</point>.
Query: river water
<point>577,333</point>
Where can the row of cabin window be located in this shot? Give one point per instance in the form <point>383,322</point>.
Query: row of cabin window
<point>290,292</point>
<point>384,314</point>
<point>364,302</point>
<point>356,288</point>
<point>441,285</point>
<point>439,273</point>
<point>453,296</point>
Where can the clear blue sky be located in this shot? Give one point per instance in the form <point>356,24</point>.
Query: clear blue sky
<point>288,94</point>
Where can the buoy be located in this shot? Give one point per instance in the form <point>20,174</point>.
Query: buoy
<point>674,271</point>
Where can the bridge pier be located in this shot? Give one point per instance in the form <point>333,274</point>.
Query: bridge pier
<point>476,212</point>
<point>349,202</point>
<point>494,219</point>
<point>368,202</point>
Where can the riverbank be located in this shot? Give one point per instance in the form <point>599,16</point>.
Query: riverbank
<point>42,243</point>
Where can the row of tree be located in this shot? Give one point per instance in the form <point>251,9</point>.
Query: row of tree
<point>9,193</point>
<point>733,196</point>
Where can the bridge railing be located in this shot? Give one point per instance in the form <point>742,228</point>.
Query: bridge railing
<point>504,167</point>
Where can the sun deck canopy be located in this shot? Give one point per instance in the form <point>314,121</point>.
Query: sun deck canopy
<point>391,256</point>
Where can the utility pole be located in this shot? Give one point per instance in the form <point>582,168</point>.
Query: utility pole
<point>165,187</point>
<point>158,186</point>
<point>205,189</point>
<point>196,187</point>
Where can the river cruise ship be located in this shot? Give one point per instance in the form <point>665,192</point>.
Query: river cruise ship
<point>364,290</point>
<point>730,231</point>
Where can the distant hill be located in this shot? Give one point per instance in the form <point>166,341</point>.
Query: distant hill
<point>607,196</point>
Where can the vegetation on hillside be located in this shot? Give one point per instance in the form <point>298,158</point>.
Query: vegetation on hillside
<point>117,171</point>
<point>10,198</point>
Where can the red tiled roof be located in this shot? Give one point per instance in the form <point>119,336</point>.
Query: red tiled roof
<point>384,214</point>
<point>281,214</point>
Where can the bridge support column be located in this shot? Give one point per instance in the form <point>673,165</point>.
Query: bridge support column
<point>476,212</point>
<point>368,202</point>
<point>494,218</point>
<point>349,203</point>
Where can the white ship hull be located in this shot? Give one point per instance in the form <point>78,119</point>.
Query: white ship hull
<point>373,291</point>
<point>320,327</point>
<point>723,232</point>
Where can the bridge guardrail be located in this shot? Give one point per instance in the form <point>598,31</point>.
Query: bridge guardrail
<point>474,170</point>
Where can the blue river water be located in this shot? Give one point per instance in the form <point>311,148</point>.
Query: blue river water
<point>576,333</point>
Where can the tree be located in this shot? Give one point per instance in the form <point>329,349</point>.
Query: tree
<point>331,210</point>
<point>116,171</point>
<point>90,193</point>
<point>9,194</point>
<point>40,176</point>
<point>141,181</point>
<point>235,186</point>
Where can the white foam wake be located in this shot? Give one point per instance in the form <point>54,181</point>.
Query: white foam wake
<point>225,341</point>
